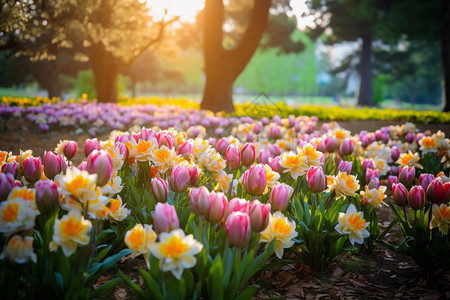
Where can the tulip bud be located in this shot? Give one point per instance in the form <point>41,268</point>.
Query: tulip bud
<point>165,138</point>
<point>236,204</point>
<point>165,218</point>
<point>179,179</point>
<point>199,200</point>
<point>321,146</point>
<point>32,169</point>
<point>425,180</point>
<point>391,181</point>
<point>435,191</point>
<point>347,147</point>
<point>10,168</point>
<point>446,194</point>
<point>186,147</point>
<point>100,163</point>
<point>394,171</point>
<point>331,144</point>
<point>416,197</point>
<point>367,164</point>
<point>374,183</point>
<point>279,197</point>
<point>217,205</point>
<point>222,146</point>
<point>160,189</point>
<point>370,173</point>
<point>248,154</point>
<point>274,163</point>
<point>238,229</point>
<point>91,145</point>
<point>315,177</point>
<point>345,166</point>
<point>123,150</point>
<point>255,180</point>
<point>274,132</point>
<point>259,215</point>
<point>53,164</point>
<point>193,175</point>
<point>395,153</point>
<point>47,197</point>
<point>82,166</point>
<point>147,134</point>
<point>233,156</point>
<point>6,185</point>
<point>257,128</point>
<point>70,149</point>
<point>400,194</point>
<point>406,176</point>
<point>365,141</point>
<point>274,149</point>
<point>264,156</point>
<point>17,183</point>
<point>410,137</point>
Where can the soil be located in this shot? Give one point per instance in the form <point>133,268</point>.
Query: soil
<point>381,275</point>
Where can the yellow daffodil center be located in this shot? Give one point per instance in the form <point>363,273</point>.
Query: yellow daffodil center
<point>445,212</point>
<point>280,226</point>
<point>71,227</point>
<point>406,158</point>
<point>143,146</point>
<point>173,248</point>
<point>115,205</point>
<point>78,182</point>
<point>311,153</point>
<point>136,237</point>
<point>429,142</point>
<point>162,154</point>
<point>10,212</point>
<point>292,160</point>
<point>339,134</point>
<point>350,182</point>
<point>25,194</point>
<point>356,222</point>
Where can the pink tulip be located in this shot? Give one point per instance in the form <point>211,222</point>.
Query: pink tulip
<point>425,180</point>
<point>331,144</point>
<point>395,153</point>
<point>179,178</point>
<point>6,185</point>
<point>259,215</point>
<point>165,218</point>
<point>367,164</point>
<point>122,149</point>
<point>165,138</point>
<point>391,181</point>
<point>91,145</point>
<point>186,148</point>
<point>374,183</point>
<point>193,174</point>
<point>238,229</point>
<point>199,200</point>
<point>345,166</point>
<point>222,146</point>
<point>248,154</point>
<point>82,166</point>
<point>279,197</point>
<point>237,204</point>
<point>264,156</point>
<point>70,149</point>
<point>370,173</point>
<point>160,189</point>
<point>233,156</point>
<point>100,163</point>
<point>435,191</point>
<point>147,134</point>
<point>416,197</point>
<point>255,180</point>
<point>32,169</point>
<point>347,147</point>
<point>53,164</point>
<point>315,177</point>
<point>257,128</point>
<point>47,198</point>
<point>446,194</point>
<point>406,176</point>
<point>410,137</point>
<point>274,149</point>
<point>400,194</point>
<point>274,132</point>
<point>217,205</point>
<point>274,163</point>
<point>10,168</point>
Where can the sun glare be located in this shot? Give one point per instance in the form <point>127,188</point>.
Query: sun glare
<point>185,9</point>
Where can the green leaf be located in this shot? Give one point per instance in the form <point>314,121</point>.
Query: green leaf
<point>278,264</point>
<point>105,288</point>
<point>216,273</point>
<point>102,253</point>
<point>248,293</point>
<point>153,287</point>
<point>136,289</point>
<point>108,262</point>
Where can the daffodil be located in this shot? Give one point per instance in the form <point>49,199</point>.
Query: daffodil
<point>410,160</point>
<point>176,251</point>
<point>27,194</point>
<point>343,184</point>
<point>295,164</point>
<point>282,230</point>
<point>163,158</point>
<point>16,214</point>
<point>139,239</point>
<point>142,150</point>
<point>352,223</point>
<point>312,156</point>
<point>116,209</point>
<point>441,217</point>
<point>373,197</point>
<point>69,232</point>
<point>77,184</point>
<point>19,250</point>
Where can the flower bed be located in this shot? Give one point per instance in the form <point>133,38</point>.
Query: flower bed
<point>207,213</point>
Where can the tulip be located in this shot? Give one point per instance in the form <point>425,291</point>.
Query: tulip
<point>259,215</point>
<point>347,147</point>
<point>446,194</point>
<point>7,183</point>
<point>315,177</point>
<point>165,218</point>
<point>122,138</point>
<point>238,229</point>
<point>425,180</point>
<point>193,175</point>
<point>10,168</point>
<point>274,149</point>
<point>400,194</point>
<point>345,166</point>
<point>365,141</point>
<point>250,137</point>
<point>32,169</point>
<point>410,137</point>
<point>91,145</point>
<point>370,173</point>
<point>321,146</point>
<point>406,176</point>
<point>374,183</point>
<point>367,164</point>
<point>186,147</point>
<point>217,205</point>
<point>416,197</point>
<point>274,163</point>
<point>331,144</point>
<point>179,178</point>
<point>233,156</point>
<point>123,150</point>
<point>264,156</point>
<point>279,197</point>
<point>100,162</point>
<point>257,128</point>
<point>222,146</point>
<point>395,153</point>
<point>199,200</point>
<point>147,134</point>
<point>160,189</point>
<point>82,166</point>
<point>47,197</point>
<point>255,180</point>
<point>274,132</point>
<point>391,181</point>
<point>236,204</point>
<point>165,138</point>
<point>435,191</point>
<point>53,164</point>
<point>394,171</point>
<point>70,149</point>
<point>248,154</point>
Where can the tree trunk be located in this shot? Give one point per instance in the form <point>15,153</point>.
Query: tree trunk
<point>365,97</point>
<point>445,48</point>
<point>222,67</point>
<point>106,74</point>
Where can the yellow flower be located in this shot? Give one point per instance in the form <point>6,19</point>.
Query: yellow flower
<point>176,251</point>
<point>143,149</point>
<point>352,223</point>
<point>281,229</point>
<point>223,181</point>
<point>16,214</point>
<point>116,156</point>
<point>27,194</point>
<point>312,156</point>
<point>69,232</point>
<point>295,164</point>
<point>215,163</point>
<point>116,210</point>
<point>163,158</point>
<point>373,197</point>
<point>78,184</point>
<point>19,250</point>
<point>113,186</point>
<point>428,144</point>
<point>140,239</point>
<point>410,160</point>
<point>271,178</point>
<point>343,184</point>
<point>441,217</point>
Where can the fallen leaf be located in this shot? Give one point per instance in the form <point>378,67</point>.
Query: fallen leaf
<point>120,294</point>
<point>337,272</point>
<point>357,283</point>
<point>101,280</point>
